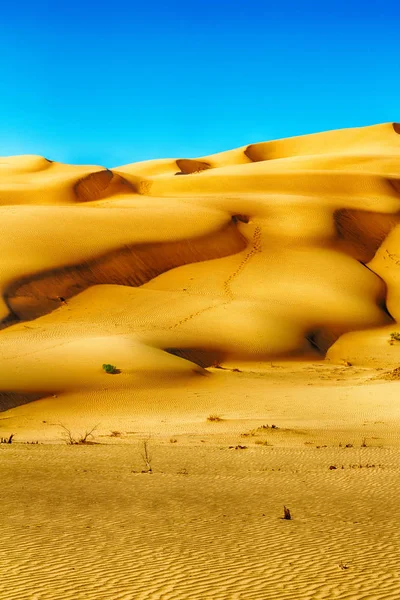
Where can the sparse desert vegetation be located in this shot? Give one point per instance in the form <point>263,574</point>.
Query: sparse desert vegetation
<point>287,514</point>
<point>146,457</point>
<point>115,434</point>
<point>73,439</point>
<point>111,369</point>
<point>214,418</point>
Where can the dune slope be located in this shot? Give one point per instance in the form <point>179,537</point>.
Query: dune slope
<point>275,250</point>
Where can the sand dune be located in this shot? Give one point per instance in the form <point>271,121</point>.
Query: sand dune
<point>261,285</point>
<point>276,249</point>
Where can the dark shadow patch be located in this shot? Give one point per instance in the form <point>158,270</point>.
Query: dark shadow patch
<point>395,184</point>
<point>189,166</point>
<point>321,340</point>
<point>251,153</point>
<point>396,127</point>
<point>363,232</point>
<point>382,302</point>
<point>261,152</point>
<point>40,293</point>
<point>101,184</point>
<point>241,218</point>
<point>202,358</point>
<point>12,399</point>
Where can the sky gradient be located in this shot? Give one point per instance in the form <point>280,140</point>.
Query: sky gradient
<point>129,81</point>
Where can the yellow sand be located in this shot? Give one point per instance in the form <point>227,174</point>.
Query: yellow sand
<point>260,284</point>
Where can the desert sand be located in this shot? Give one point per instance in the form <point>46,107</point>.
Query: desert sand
<point>249,301</point>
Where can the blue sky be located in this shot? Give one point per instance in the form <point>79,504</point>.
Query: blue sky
<point>85,82</point>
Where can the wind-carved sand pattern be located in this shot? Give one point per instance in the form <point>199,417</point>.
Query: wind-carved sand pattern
<point>261,285</point>
<point>173,537</point>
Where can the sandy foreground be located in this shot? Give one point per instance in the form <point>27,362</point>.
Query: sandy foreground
<point>259,287</point>
<point>84,521</point>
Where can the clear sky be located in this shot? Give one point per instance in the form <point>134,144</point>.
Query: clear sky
<point>89,82</point>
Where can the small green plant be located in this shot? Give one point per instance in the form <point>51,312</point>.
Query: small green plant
<point>110,369</point>
<point>395,336</point>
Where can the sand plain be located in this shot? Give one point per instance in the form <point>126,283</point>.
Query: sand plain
<point>259,286</point>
